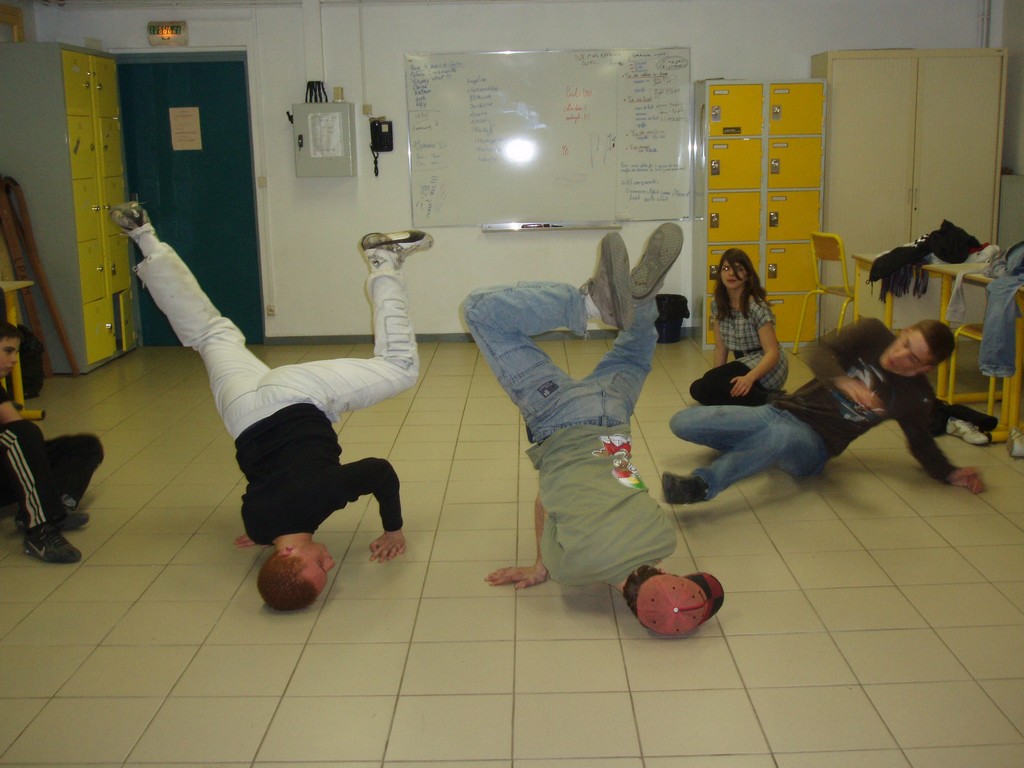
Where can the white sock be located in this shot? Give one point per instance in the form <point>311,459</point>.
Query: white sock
<point>592,311</point>
<point>145,237</point>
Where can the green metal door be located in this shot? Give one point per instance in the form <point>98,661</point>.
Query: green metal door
<point>197,186</point>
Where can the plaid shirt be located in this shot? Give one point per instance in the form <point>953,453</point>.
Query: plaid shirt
<point>739,334</point>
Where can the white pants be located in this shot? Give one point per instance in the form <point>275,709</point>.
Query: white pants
<point>245,389</point>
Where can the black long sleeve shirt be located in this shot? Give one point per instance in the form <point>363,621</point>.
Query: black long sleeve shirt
<point>291,461</point>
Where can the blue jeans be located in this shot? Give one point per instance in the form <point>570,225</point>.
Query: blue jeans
<point>504,318</point>
<point>750,440</point>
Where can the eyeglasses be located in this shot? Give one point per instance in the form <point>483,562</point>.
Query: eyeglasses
<point>737,269</point>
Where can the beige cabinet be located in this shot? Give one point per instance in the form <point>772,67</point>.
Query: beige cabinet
<point>757,186</point>
<point>60,139</point>
<point>914,137</point>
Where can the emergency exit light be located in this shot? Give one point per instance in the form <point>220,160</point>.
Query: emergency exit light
<point>167,32</point>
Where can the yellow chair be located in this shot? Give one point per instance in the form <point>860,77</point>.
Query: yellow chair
<point>825,247</point>
<point>974,332</point>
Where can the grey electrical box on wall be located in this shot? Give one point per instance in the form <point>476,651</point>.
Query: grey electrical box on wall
<point>324,138</point>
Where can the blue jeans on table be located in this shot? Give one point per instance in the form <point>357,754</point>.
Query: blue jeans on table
<point>750,440</point>
<point>504,318</point>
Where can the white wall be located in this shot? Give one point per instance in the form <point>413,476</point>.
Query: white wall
<point>310,228</point>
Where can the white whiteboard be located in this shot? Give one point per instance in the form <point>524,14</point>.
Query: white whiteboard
<point>608,132</point>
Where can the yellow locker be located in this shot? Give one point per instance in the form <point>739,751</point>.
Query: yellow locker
<point>734,109</point>
<point>788,267</point>
<point>112,194</point>
<point>795,108</point>
<point>90,265</point>
<point>709,334</point>
<point>125,324</point>
<point>794,162</point>
<point>734,217</point>
<point>110,147</point>
<point>792,215</point>
<point>77,83</point>
<point>786,308</point>
<point>734,164</point>
<point>715,255</point>
<point>119,272</point>
<point>99,329</point>
<point>81,146</point>
<point>104,86</point>
<point>87,209</point>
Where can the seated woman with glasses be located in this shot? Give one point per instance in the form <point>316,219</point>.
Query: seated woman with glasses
<point>744,325</point>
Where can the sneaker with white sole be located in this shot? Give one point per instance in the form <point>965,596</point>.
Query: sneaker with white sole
<point>1015,443</point>
<point>46,542</point>
<point>394,247</point>
<point>662,250</point>
<point>609,288</point>
<point>967,432</point>
<point>129,216</point>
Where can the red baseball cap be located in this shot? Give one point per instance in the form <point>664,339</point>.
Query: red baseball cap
<point>670,605</point>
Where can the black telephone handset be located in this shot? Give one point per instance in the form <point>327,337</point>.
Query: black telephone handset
<point>381,138</point>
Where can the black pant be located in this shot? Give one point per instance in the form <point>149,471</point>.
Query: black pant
<point>35,472</point>
<point>714,386</point>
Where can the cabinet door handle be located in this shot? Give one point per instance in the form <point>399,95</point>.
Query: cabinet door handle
<point>96,208</point>
<point>99,268</point>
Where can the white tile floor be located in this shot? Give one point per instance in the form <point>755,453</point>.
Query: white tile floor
<point>873,617</point>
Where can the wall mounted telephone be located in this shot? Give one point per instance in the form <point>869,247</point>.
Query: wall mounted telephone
<point>381,139</point>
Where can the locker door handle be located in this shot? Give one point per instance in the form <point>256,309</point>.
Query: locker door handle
<point>714,221</point>
<point>773,271</point>
<point>776,111</point>
<point>713,272</point>
<point>773,165</point>
<point>773,218</point>
<point>715,167</point>
<point>96,208</point>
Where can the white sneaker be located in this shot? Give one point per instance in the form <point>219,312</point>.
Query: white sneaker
<point>1015,443</point>
<point>967,432</point>
<point>394,247</point>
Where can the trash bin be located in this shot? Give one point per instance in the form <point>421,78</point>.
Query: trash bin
<point>672,310</point>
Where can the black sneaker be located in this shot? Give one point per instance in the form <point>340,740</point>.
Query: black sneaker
<point>683,489</point>
<point>46,542</point>
<point>129,216</point>
<point>72,522</point>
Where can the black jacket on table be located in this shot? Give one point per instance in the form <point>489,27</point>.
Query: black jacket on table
<point>855,351</point>
<point>291,462</point>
